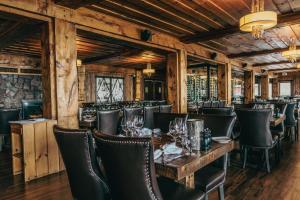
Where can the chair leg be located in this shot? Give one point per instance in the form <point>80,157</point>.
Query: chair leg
<point>267,160</point>
<point>293,133</point>
<point>245,157</point>
<point>206,196</point>
<point>228,160</point>
<point>221,192</point>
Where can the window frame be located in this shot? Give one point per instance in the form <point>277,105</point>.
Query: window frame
<point>110,87</point>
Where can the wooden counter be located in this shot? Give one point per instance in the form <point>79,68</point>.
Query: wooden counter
<point>34,149</point>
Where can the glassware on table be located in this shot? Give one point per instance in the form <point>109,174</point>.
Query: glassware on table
<point>124,126</point>
<point>173,131</point>
<point>138,123</point>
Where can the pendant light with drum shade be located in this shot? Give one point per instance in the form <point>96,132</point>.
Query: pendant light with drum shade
<point>149,70</point>
<point>293,54</point>
<point>258,20</point>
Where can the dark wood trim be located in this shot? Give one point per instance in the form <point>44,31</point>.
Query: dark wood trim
<point>75,4</point>
<point>270,63</point>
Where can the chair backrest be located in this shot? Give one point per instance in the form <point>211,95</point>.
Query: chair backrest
<point>7,115</point>
<point>218,111</point>
<point>255,127</point>
<point>162,120</point>
<point>78,153</point>
<point>215,104</point>
<point>129,166</point>
<point>220,125</point>
<point>222,103</point>
<point>108,121</point>
<point>131,112</point>
<point>206,104</point>
<point>148,116</point>
<point>165,108</point>
<point>241,106</point>
<point>282,107</point>
<point>289,114</point>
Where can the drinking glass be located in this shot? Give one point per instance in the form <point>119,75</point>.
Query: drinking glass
<point>138,123</point>
<point>124,126</point>
<point>173,131</point>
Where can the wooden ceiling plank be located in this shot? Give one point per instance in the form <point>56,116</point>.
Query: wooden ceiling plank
<point>75,4</point>
<point>161,9</point>
<point>20,32</point>
<point>109,11</point>
<point>270,63</point>
<point>283,21</point>
<point>143,14</point>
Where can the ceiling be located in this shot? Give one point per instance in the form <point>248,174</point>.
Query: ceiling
<point>188,18</point>
<point>23,37</point>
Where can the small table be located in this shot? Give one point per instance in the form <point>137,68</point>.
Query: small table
<point>182,169</point>
<point>276,121</point>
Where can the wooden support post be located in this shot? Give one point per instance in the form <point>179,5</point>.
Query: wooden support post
<point>177,81</point>
<point>128,89</point>
<point>249,86</point>
<point>66,74</point>
<point>265,86</point>
<point>275,88</point>
<point>48,71</point>
<point>139,85</point>
<point>81,84</point>
<point>224,83</point>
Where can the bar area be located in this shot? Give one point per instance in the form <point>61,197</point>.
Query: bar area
<point>149,100</point>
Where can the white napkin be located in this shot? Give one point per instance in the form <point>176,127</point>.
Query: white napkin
<point>168,149</point>
<point>171,149</point>
<point>157,154</point>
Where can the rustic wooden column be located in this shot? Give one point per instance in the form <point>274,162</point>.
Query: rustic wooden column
<point>275,88</point>
<point>128,89</point>
<point>265,86</point>
<point>177,81</point>
<point>249,86</point>
<point>139,85</point>
<point>66,74</point>
<point>81,84</point>
<point>48,71</point>
<point>224,83</point>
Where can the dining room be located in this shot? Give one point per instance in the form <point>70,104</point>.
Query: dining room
<point>149,99</point>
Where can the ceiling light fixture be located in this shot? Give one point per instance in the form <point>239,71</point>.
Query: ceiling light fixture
<point>148,71</point>
<point>78,62</point>
<point>293,53</point>
<point>258,20</point>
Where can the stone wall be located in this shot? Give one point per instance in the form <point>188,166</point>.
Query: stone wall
<point>14,88</point>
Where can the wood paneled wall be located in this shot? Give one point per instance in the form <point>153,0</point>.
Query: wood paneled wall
<point>92,71</point>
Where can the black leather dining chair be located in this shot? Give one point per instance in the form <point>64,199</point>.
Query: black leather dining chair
<point>256,133</point>
<point>7,115</point>
<point>213,176</point>
<point>279,130</point>
<point>290,122</point>
<point>108,121</point>
<point>130,170</point>
<point>131,112</point>
<point>85,176</point>
<point>165,108</point>
<point>218,111</point>
<point>148,116</point>
<point>162,120</point>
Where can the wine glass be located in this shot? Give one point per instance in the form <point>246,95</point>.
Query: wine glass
<point>124,126</point>
<point>138,123</point>
<point>173,131</point>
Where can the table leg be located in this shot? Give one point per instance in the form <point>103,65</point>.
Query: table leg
<point>189,181</point>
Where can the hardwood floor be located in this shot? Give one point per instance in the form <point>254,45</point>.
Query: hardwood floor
<point>283,183</point>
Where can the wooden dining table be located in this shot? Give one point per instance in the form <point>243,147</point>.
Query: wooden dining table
<point>277,120</point>
<point>183,168</point>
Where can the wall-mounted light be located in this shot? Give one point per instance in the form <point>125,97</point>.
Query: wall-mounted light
<point>79,63</point>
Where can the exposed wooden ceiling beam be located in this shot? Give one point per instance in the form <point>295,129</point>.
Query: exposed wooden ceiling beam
<point>257,53</point>
<point>270,63</point>
<point>75,4</point>
<point>283,20</point>
<point>113,56</point>
<point>16,33</point>
<point>284,70</point>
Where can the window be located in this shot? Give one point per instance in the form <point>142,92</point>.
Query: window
<point>270,91</point>
<point>285,88</point>
<point>257,89</point>
<point>109,89</point>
